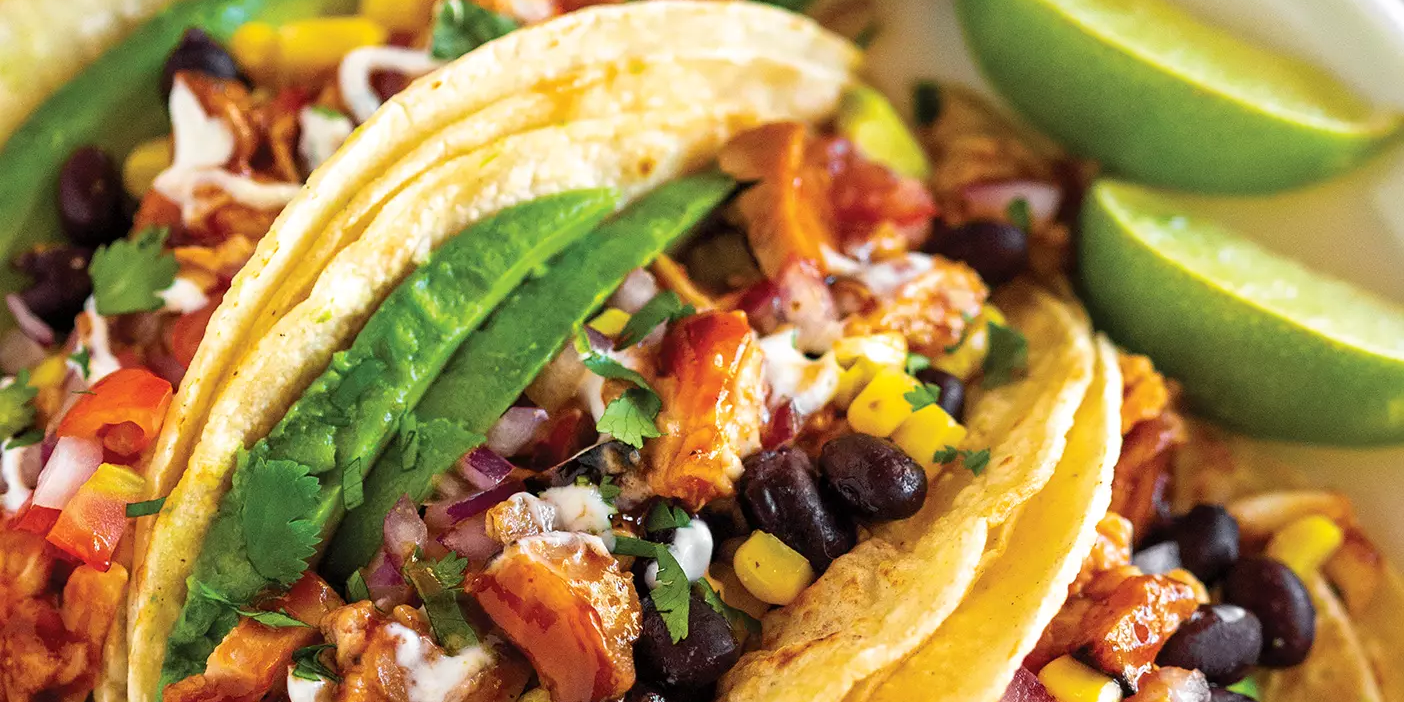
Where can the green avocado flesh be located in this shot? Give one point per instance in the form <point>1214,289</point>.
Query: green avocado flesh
<point>346,417</point>
<point>495,365</point>
<point>115,104</point>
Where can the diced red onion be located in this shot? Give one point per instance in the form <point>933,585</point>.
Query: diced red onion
<point>1025,687</point>
<point>559,381</point>
<point>783,426</point>
<point>470,539</point>
<point>29,323</point>
<point>993,199</point>
<point>507,437</point>
<point>807,302</point>
<point>481,502</point>
<point>74,461</point>
<point>637,289</point>
<point>18,351</point>
<point>167,367</point>
<point>599,343</point>
<point>404,531</point>
<point>387,586</point>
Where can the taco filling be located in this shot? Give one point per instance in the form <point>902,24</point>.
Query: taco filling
<point>434,356</point>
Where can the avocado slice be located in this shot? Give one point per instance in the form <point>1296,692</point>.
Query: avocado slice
<point>871,122</point>
<point>497,363</point>
<point>345,418</point>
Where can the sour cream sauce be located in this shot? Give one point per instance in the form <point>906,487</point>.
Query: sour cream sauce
<point>692,547</point>
<point>434,680</point>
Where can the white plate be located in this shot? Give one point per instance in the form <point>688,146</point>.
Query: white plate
<point>1352,227</point>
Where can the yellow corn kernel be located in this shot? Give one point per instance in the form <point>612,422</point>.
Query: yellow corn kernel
<point>853,380</point>
<point>538,694</point>
<point>610,322</point>
<point>927,431</point>
<point>1201,593</point>
<point>144,163</point>
<point>1306,544</point>
<point>49,373</point>
<point>882,406</point>
<point>770,570</point>
<point>403,16</point>
<point>725,582</point>
<point>969,355</point>
<point>312,47</point>
<point>255,48</point>
<point>1070,681</point>
<point>883,349</point>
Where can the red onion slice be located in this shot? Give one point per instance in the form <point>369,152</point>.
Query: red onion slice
<point>481,502</point>
<point>637,289</point>
<point>18,351</point>
<point>1025,687</point>
<point>404,531</point>
<point>507,437</point>
<point>29,323</point>
<point>993,199</point>
<point>387,586</point>
<point>470,539</point>
<point>73,461</point>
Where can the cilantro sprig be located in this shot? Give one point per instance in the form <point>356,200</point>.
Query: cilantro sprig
<point>278,620</point>
<point>129,274</point>
<point>356,588</point>
<point>1008,355</point>
<point>17,405</point>
<point>664,307</point>
<point>631,416</point>
<point>974,461</point>
<point>664,516</point>
<point>916,363</point>
<point>464,25</point>
<point>439,584</point>
<point>672,596</point>
<point>923,395</point>
<point>308,665</point>
<point>279,496</point>
<point>145,509</point>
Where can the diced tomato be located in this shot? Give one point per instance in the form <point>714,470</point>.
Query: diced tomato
<point>124,411</point>
<point>35,519</point>
<point>187,331</point>
<point>94,521</point>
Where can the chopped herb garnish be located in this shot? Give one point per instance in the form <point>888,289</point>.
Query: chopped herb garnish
<point>926,102</point>
<point>145,509</point>
<point>437,583</point>
<point>82,359</point>
<point>83,392</point>
<point>463,25</point>
<point>630,417</point>
<point>974,461</point>
<point>16,405</point>
<point>1019,214</point>
<point>673,593</point>
<point>917,363</point>
<point>277,620</point>
<point>630,546</point>
<point>664,307</point>
<point>664,516</point>
<point>923,395</point>
<point>965,330</point>
<point>353,484</point>
<point>129,274</point>
<point>1008,355</point>
<point>449,570</point>
<point>608,490</point>
<point>409,441</point>
<point>356,588</point>
<point>308,665</point>
<point>606,367</point>
<point>865,37</point>
<point>279,537</point>
<point>23,439</point>
<point>733,615</point>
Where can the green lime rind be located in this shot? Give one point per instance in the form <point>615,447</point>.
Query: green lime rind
<point>1162,98</point>
<point>1262,344</point>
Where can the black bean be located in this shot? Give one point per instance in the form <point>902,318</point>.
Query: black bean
<point>997,251</point>
<point>644,692</point>
<point>198,51</point>
<point>952,397</point>
<point>708,650</point>
<point>726,520</point>
<point>1208,539</point>
<point>874,478</point>
<point>1158,559</point>
<point>61,284</point>
<point>1222,641</point>
<point>90,198</point>
<point>779,495</point>
<point>1278,597</point>
<point>1219,694</point>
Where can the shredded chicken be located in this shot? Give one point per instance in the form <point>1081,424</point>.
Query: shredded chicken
<point>931,310</point>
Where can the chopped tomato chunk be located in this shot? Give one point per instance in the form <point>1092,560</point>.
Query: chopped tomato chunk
<point>93,522</point>
<point>130,396</point>
<point>187,331</point>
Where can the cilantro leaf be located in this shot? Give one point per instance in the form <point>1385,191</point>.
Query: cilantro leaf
<point>964,333</point>
<point>451,628</point>
<point>975,461</point>
<point>353,484</point>
<point>277,620</point>
<point>923,395</point>
<point>1007,357</point>
<point>663,516</point>
<point>734,616</point>
<point>664,307</point>
<point>280,495</point>
<point>23,439</point>
<point>608,490</point>
<point>672,595</point>
<point>145,509</point>
<point>945,455</point>
<point>82,358</point>
<point>356,588</point>
<point>630,416</point>
<point>16,405</point>
<point>926,102</point>
<point>308,665</point>
<point>128,274</point>
<point>1019,214</point>
<point>464,25</point>
<point>606,367</point>
<point>917,363</point>
<point>630,546</point>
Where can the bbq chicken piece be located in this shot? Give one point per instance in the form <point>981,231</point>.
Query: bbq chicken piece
<point>563,600</point>
<point>713,396</point>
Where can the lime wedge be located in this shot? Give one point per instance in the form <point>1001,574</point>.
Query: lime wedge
<point>1162,98</point>
<point>1261,343</point>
